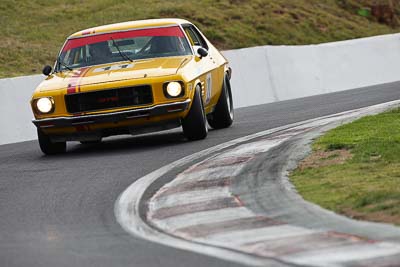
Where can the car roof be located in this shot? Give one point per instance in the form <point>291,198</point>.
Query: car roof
<point>123,26</point>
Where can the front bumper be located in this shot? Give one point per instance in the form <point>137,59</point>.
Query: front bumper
<point>112,116</point>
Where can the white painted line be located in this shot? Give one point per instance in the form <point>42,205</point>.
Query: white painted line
<point>189,197</point>
<point>251,149</point>
<point>242,237</point>
<point>207,174</point>
<point>213,216</point>
<point>344,254</point>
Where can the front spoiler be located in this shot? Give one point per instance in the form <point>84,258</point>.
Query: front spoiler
<point>112,116</point>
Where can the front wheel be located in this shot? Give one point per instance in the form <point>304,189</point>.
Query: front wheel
<point>222,116</point>
<point>195,124</point>
<point>48,147</point>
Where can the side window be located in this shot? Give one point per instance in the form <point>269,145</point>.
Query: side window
<point>193,39</point>
<point>199,37</point>
<point>195,36</point>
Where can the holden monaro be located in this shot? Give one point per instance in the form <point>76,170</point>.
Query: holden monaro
<point>131,78</point>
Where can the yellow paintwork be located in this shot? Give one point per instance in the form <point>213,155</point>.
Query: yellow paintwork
<point>191,70</point>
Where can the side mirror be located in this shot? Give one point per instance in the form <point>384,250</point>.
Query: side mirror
<point>202,52</point>
<point>47,70</point>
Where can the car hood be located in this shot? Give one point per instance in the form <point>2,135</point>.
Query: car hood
<point>106,73</point>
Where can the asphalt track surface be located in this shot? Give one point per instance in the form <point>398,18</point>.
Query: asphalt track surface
<point>59,211</point>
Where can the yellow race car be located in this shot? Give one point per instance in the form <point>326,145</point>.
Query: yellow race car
<point>131,78</point>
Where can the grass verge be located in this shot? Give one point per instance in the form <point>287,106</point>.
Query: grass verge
<point>355,169</point>
<point>33,30</point>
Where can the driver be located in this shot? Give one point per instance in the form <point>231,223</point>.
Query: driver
<point>163,44</point>
<point>100,53</point>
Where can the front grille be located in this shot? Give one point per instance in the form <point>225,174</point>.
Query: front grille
<point>107,99</point>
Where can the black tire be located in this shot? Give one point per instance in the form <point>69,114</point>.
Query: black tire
<point>223,114</point>
<point>195,124</point>
<point>48,147</point>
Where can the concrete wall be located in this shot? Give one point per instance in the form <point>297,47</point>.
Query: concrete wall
<point>274,73</point>
<point>15,111</point>
<point>260,75</point>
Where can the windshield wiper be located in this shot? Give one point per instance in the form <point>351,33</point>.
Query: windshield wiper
<point>125,56</point>
<point>60,63</point>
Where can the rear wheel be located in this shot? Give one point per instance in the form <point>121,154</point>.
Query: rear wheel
<point>48,147</point>
<point>222,116</point>
<point>195,124</point>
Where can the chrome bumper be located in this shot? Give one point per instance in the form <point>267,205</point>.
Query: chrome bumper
<point>113,116</point>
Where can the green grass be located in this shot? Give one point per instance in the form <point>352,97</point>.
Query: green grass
<point>367,186</point>
<point>33,31</point>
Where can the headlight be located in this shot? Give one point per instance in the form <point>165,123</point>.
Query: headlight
<point>45,105</point>
<point>174,89</point>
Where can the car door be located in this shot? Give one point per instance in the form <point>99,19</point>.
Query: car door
<point>207,64</point>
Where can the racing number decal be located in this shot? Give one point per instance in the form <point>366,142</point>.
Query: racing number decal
<point>208,88</point>
<point>115,67</point>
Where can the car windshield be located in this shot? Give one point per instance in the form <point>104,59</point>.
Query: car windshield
<point>121,46</point>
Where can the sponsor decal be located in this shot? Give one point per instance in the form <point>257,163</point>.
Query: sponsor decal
<point>108,99</point>
<point>92,39</point>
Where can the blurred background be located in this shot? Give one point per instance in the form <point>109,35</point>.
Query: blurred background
<point>34,30</point>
